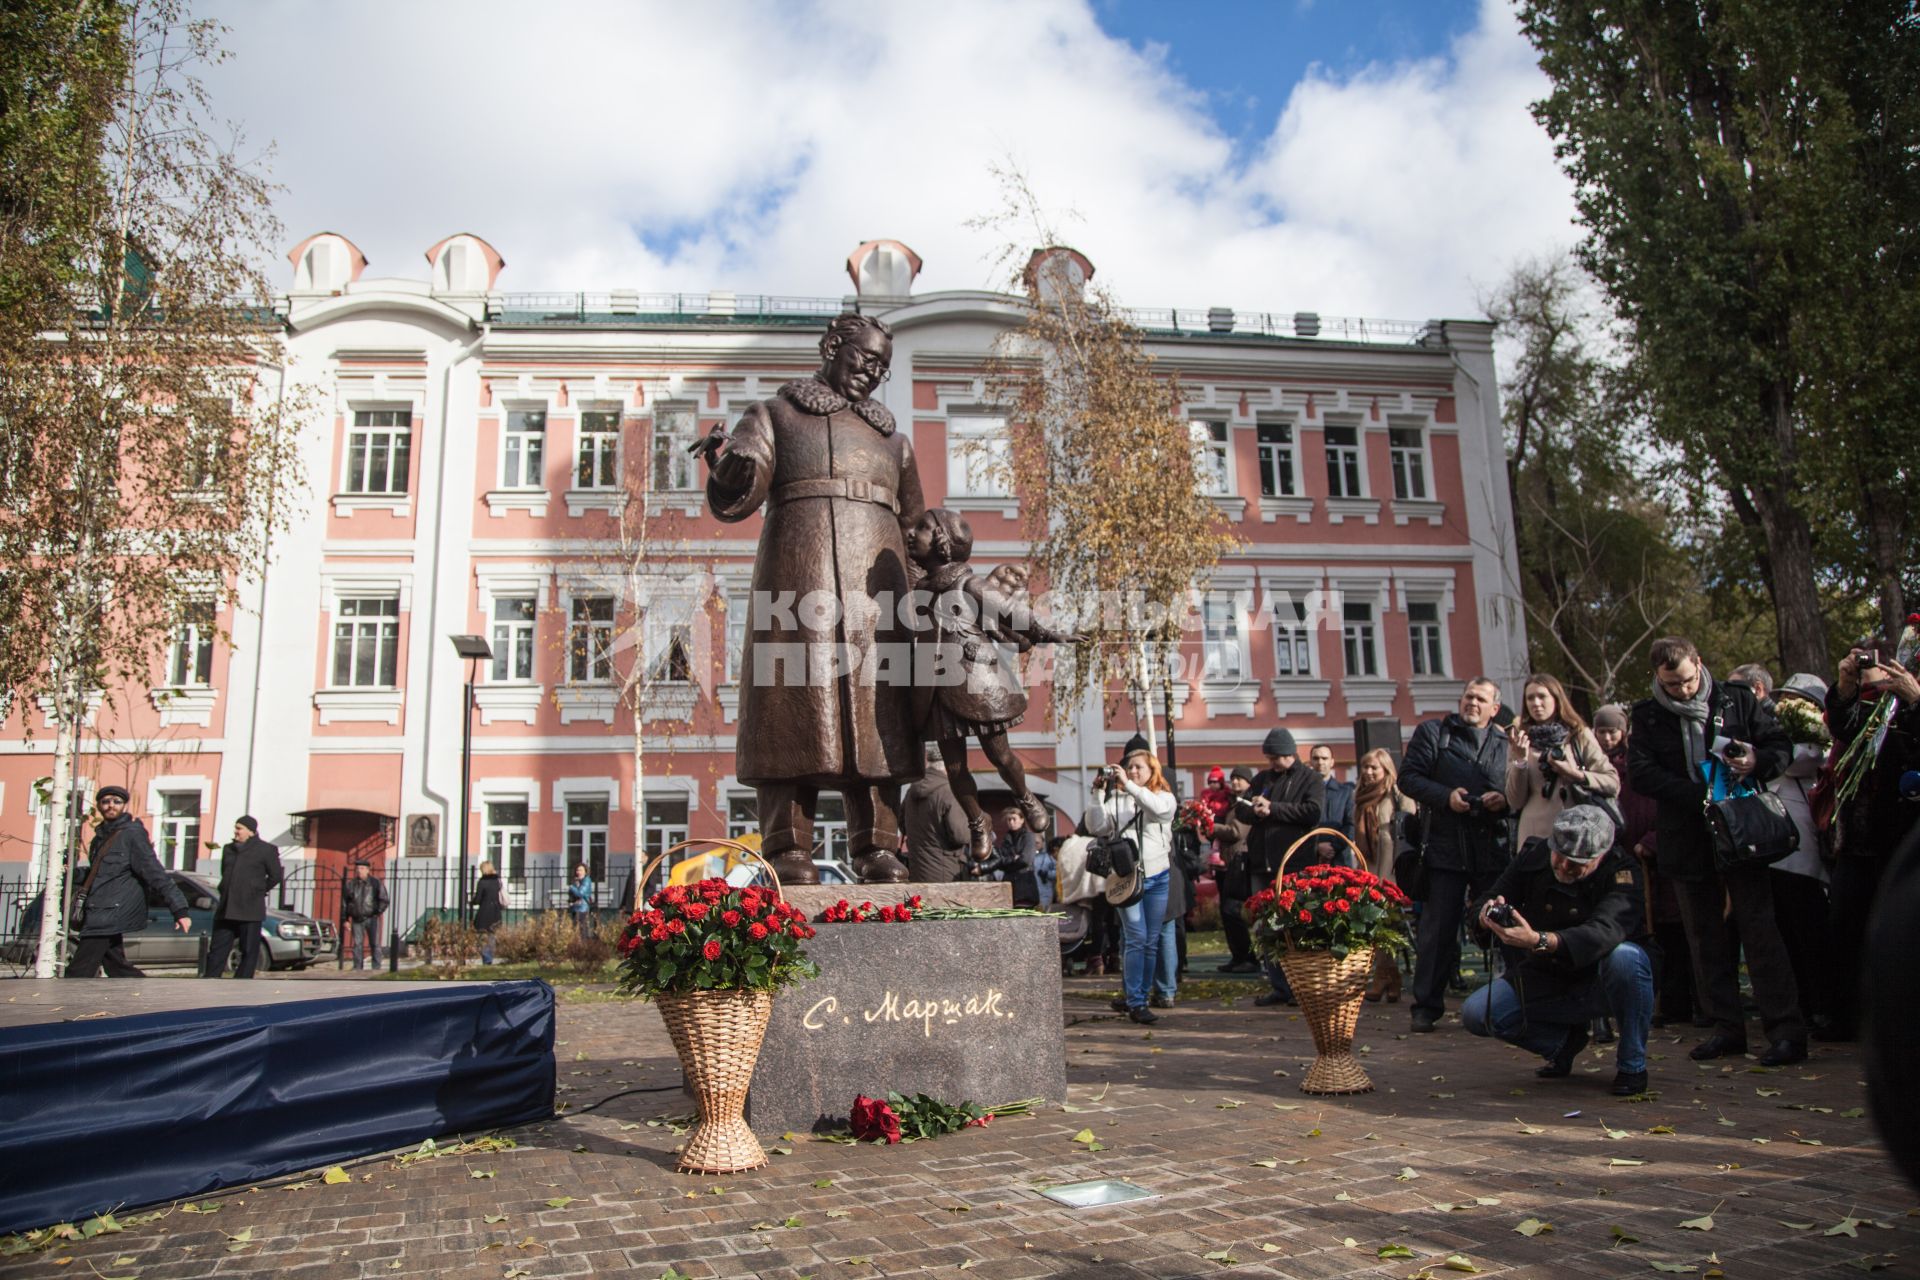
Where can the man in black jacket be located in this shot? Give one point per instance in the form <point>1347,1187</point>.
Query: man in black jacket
<point>1456,770</point>
<point>363,900</point>
<point>249,871</point>
<point>1572,949</point>
<point>121,871</point>
<point>1282,805</point>
<point>1691,730</point>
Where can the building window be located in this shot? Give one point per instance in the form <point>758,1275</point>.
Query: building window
<point>179,829</point>
<point>1276,460</point>
<point>663,825</point>
<point>673,466</point>
<point>1292,641</point>
<point>378,446</point>
<point>587,837</point>
<point>597,463</point>
<point>525,444</point>
<point>737,604</point>
<point>979,458</point>
<point>590,641</point>
<point>1423,632</point>
<point>506,838</point>
<point>190,660</point>
<point>513,638</point>
<point>1209,456</point>
<point>366,644</point>
<point>1343,462</point>
<point>743,817</point>
<point>1220,639</point>
<point>1407,448</point>
<point>668,636</point>
<point>1358,640</point>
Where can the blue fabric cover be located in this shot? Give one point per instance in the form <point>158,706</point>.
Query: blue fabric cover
<point>134,1110</point>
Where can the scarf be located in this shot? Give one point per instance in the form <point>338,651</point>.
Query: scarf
<point>1692,715</point>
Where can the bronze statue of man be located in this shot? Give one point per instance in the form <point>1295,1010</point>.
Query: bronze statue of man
<point>826,703</point>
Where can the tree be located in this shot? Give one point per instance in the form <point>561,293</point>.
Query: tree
<point>1718,153</point>
<point>1105,463</point>
<point>146,393</point>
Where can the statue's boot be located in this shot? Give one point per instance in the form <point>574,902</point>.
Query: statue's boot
<point>876,866</point>
<point>795,867</point>
<point>980,830</point>
<point>1038,820</point>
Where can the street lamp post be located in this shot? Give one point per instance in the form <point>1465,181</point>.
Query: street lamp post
<point>471,649</point>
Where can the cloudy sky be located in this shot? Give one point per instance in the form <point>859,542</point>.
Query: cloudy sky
<point>1354,157</point>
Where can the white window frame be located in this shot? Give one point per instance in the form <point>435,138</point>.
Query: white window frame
<point>1212,441</point>
<point>386,634</point>
<point>523,468</point>
<point>658,836</point>
<point>190,651</point>
<point>979,457</point>
<point>597,650</point>
<point>1295,632</point>
<point>578,839</point>
<point>1427,642</point>
<point>1279,459</point>
<point>1353,456</point>
<point>1352,637</point>
<point>1222,638</point>
<point>498,851</point>
<point>1409,463</point>
<point>391,438</point>
<point>668,620</point>
<point>670,468</point>
<point>171,836</point>
<point>514,638</point>
<point>599,450</point>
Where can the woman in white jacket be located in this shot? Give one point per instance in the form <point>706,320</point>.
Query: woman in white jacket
<point>1135,800</point>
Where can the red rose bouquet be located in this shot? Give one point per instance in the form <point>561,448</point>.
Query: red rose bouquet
<point>712,936</point>
<point>844,912</point>
<point>1195,816</point>
<point>914,1117</point>
<point>1336,909</point>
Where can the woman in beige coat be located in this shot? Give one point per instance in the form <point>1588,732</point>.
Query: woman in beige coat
<point>1545,776</point>
<point>1379,814</point>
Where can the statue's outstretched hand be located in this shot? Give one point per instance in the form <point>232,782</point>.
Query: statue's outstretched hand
<point>1010,578</point>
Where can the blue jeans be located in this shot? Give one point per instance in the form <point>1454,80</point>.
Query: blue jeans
<point>1147,945</point>
<point>1542,1026</point>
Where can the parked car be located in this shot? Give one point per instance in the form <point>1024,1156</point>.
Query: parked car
<point>289,940</point>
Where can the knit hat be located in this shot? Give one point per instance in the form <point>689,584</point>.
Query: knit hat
<point>1279,743</point>
<point>1803,685</point>
<point>113,793</point>
<point>1582,833</point>
<point>1610,717</point>
<point>1216,775</point>
<point>248,821</point>
<point>1138,742</point>
<point>1243,772</point>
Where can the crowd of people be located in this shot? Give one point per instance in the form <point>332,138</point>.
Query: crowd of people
<point>1607,867</point>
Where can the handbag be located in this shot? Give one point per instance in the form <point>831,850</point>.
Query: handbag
<point>1750,830</point>
<point>1117,857</point>
<point>77,909</point>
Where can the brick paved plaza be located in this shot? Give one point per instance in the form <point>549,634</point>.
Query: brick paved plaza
<point>1459,1147</point>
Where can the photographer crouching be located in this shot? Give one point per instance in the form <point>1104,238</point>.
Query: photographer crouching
<point>1567,911</point>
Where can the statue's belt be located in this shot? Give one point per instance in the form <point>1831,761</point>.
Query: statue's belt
<point>853,490</point>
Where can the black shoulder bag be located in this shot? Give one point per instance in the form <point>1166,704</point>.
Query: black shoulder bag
<point>77,909</point>
<point>1749,830</point>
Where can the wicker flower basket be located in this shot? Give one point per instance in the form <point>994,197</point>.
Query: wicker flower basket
<point>717,1035</point>
<point>1330,993</point>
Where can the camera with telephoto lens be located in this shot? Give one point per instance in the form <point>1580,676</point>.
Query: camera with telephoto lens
<point>1502,914</point>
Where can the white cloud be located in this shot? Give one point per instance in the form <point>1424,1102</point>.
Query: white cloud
<point>674,146</point>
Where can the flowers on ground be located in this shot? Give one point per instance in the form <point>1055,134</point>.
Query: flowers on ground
<point>712,936</point>
<point>909,1118</point>
<point>1336,909</point>
<point>844,912</point>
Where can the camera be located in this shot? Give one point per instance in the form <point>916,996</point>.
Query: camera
<point>1866,659</point>
<point>1549,737</point>
<point>1476,807</point>
<point>1737,751</point>
<point>1502,914</point>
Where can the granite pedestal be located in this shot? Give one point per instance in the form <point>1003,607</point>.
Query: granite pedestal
<point>962,1010</point>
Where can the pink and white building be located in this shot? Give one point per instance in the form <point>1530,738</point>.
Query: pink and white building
<point>465,475</point>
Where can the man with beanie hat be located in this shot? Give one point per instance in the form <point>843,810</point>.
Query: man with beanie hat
<point>1568,912</point>
<point>249,870</point>
<point>1230,831</point>
<point>1456,771</point>
<point>1282,805</point>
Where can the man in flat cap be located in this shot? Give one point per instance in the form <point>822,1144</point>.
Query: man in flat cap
<point>121,870</point>
<point>249,870</point>
<point>1567,913</point>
